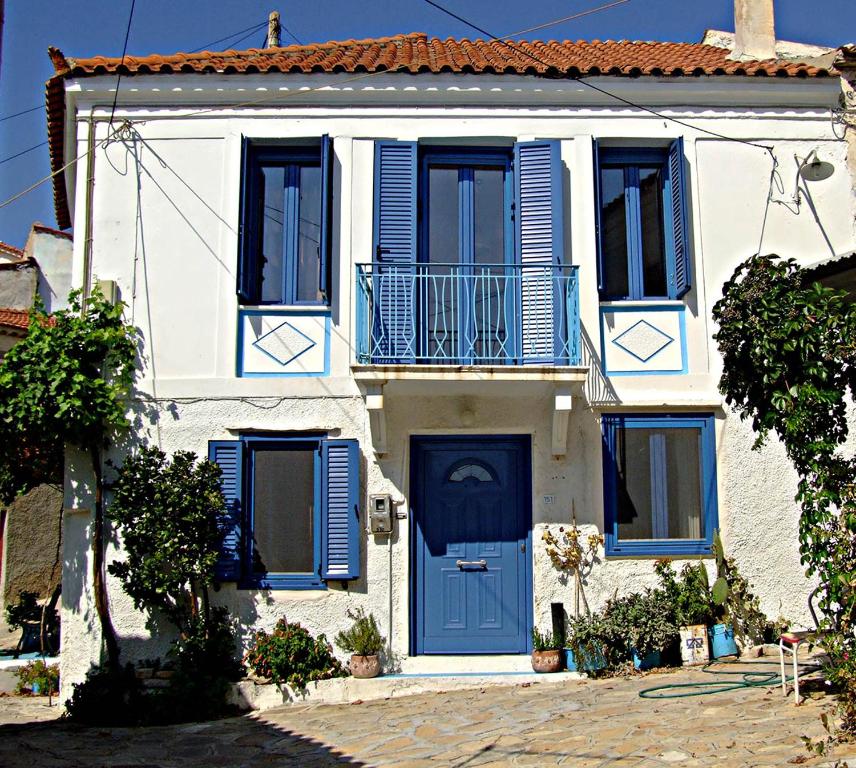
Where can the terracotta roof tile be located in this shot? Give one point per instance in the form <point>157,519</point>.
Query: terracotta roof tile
<point>418,53</point>
<point>14,318</point>
<point>415,53</point>
<point>11,250</point>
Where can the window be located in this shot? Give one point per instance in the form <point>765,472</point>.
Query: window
<point>285,238</point>
<point>643,250</point>
<point>292,511</point>
<point>469,264</point>
<point>659,484</point>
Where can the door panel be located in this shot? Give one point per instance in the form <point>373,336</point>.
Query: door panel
<point>472,522</point>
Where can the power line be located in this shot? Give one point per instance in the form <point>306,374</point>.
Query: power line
<point>587,84</point>
<point>567,18</point>
<point>122,62</point>
<point>22,152</point>
<point>295,37</point>
<point>229,37</point>
<point>22,112</point>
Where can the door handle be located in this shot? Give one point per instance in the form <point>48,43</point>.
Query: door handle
<point>471,563</point>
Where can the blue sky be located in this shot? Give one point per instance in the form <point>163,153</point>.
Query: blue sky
<point>91,27</point>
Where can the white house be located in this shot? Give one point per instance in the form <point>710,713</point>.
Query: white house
<point>473,277</point>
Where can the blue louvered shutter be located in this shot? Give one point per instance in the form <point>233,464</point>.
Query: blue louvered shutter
<point>248,235</point>
<point>229,456</point>
<point>601,279</point>
<point>538,208</point>
<point>678,264</point>
<point>340,509</point>
<point>394,281</point>
<point>325,246</point>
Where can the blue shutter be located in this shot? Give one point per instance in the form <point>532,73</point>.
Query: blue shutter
<point>394,320</point>
<point>326,239</point>
<point>601,274</point>
<point>340,509</point>
<point>247,234</point>
<point>538,226</point>
<point>229,456</point>
<point>678,262</point>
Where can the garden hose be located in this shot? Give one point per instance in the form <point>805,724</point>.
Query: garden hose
<point>748,679</point>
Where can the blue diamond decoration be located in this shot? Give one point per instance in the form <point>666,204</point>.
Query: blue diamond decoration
<point>285,343</point>
<point>643,340</point>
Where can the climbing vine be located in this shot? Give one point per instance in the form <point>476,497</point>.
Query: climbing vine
<point>789,348</point>
<point>66,383</point>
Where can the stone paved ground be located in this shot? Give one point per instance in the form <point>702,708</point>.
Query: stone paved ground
<point>580,724</point>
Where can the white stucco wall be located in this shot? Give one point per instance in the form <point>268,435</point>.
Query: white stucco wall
<point>165,223</point>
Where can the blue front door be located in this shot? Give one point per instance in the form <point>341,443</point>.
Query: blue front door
<point>472,520</point>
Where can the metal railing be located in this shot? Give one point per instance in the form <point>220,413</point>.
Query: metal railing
<point>457,314</point>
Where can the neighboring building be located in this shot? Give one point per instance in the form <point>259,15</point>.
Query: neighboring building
<point>443,271</point>
<point>30,527</point>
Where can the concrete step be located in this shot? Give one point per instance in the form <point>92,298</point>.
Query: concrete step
<point>465,665</point>
<point>251,695</point>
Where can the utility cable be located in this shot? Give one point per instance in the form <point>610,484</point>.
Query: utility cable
<point>22,152</point>
<point>229,37</point>
<point>295,37</point>
<point>122,62</point>
<point>566,18</point>
<point>22,112</point>
<point>581,81</point>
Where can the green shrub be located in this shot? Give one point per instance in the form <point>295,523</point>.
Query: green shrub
<point>641,622</point>
<point>291,655</point>
<point>587,636</point>
<point>363,638</point>
<point>545,641</point>
<point>688,595</point>
<point>38,677</point>
<point>108,698</point>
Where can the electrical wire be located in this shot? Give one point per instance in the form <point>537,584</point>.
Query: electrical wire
<point>22,112</point>
<point>22,152</point>
<point>298,40</point>
<point>566,18</point>
<point>122,62</point>
<point>581,81</point>
<point>229,37</point>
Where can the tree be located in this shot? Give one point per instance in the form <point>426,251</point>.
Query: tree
<point>789,348</point>
<point>67,382</point>
<point>168,513</point>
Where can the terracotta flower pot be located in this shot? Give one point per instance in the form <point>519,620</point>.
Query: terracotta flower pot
<point>547,661</point>
<point>365,666</point>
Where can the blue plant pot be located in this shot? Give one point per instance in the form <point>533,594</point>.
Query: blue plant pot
<point>587,662</point>
<point>722,641</point>
<point>648,662</point>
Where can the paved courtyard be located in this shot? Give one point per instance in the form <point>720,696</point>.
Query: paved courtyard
<point>580,723</point>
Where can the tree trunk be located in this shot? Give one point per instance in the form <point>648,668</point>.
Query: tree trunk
<point>99,583</point>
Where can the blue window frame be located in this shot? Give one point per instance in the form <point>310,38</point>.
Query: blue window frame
<point>467,237</point>
<point>292,518</point>
<point>285,224</point>
<point>643,248</point>
<point>659,484</point>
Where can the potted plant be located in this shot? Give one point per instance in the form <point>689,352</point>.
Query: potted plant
<point>737,609</point>
<point>692,605</point>
<point>585,644</point>
<point>364,642</point>
<point>641,626</point>
<point>546,656</point>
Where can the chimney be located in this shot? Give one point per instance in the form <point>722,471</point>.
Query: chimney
<point>273,30</point>
<point>754,30</point>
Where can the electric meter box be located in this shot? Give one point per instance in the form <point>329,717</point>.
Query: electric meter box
<point>380,514</point>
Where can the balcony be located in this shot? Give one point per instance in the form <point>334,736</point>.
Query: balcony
<point>482,315</point>
<point>480,328</point>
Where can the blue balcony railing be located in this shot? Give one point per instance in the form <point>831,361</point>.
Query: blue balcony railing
<point>454,314</point>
